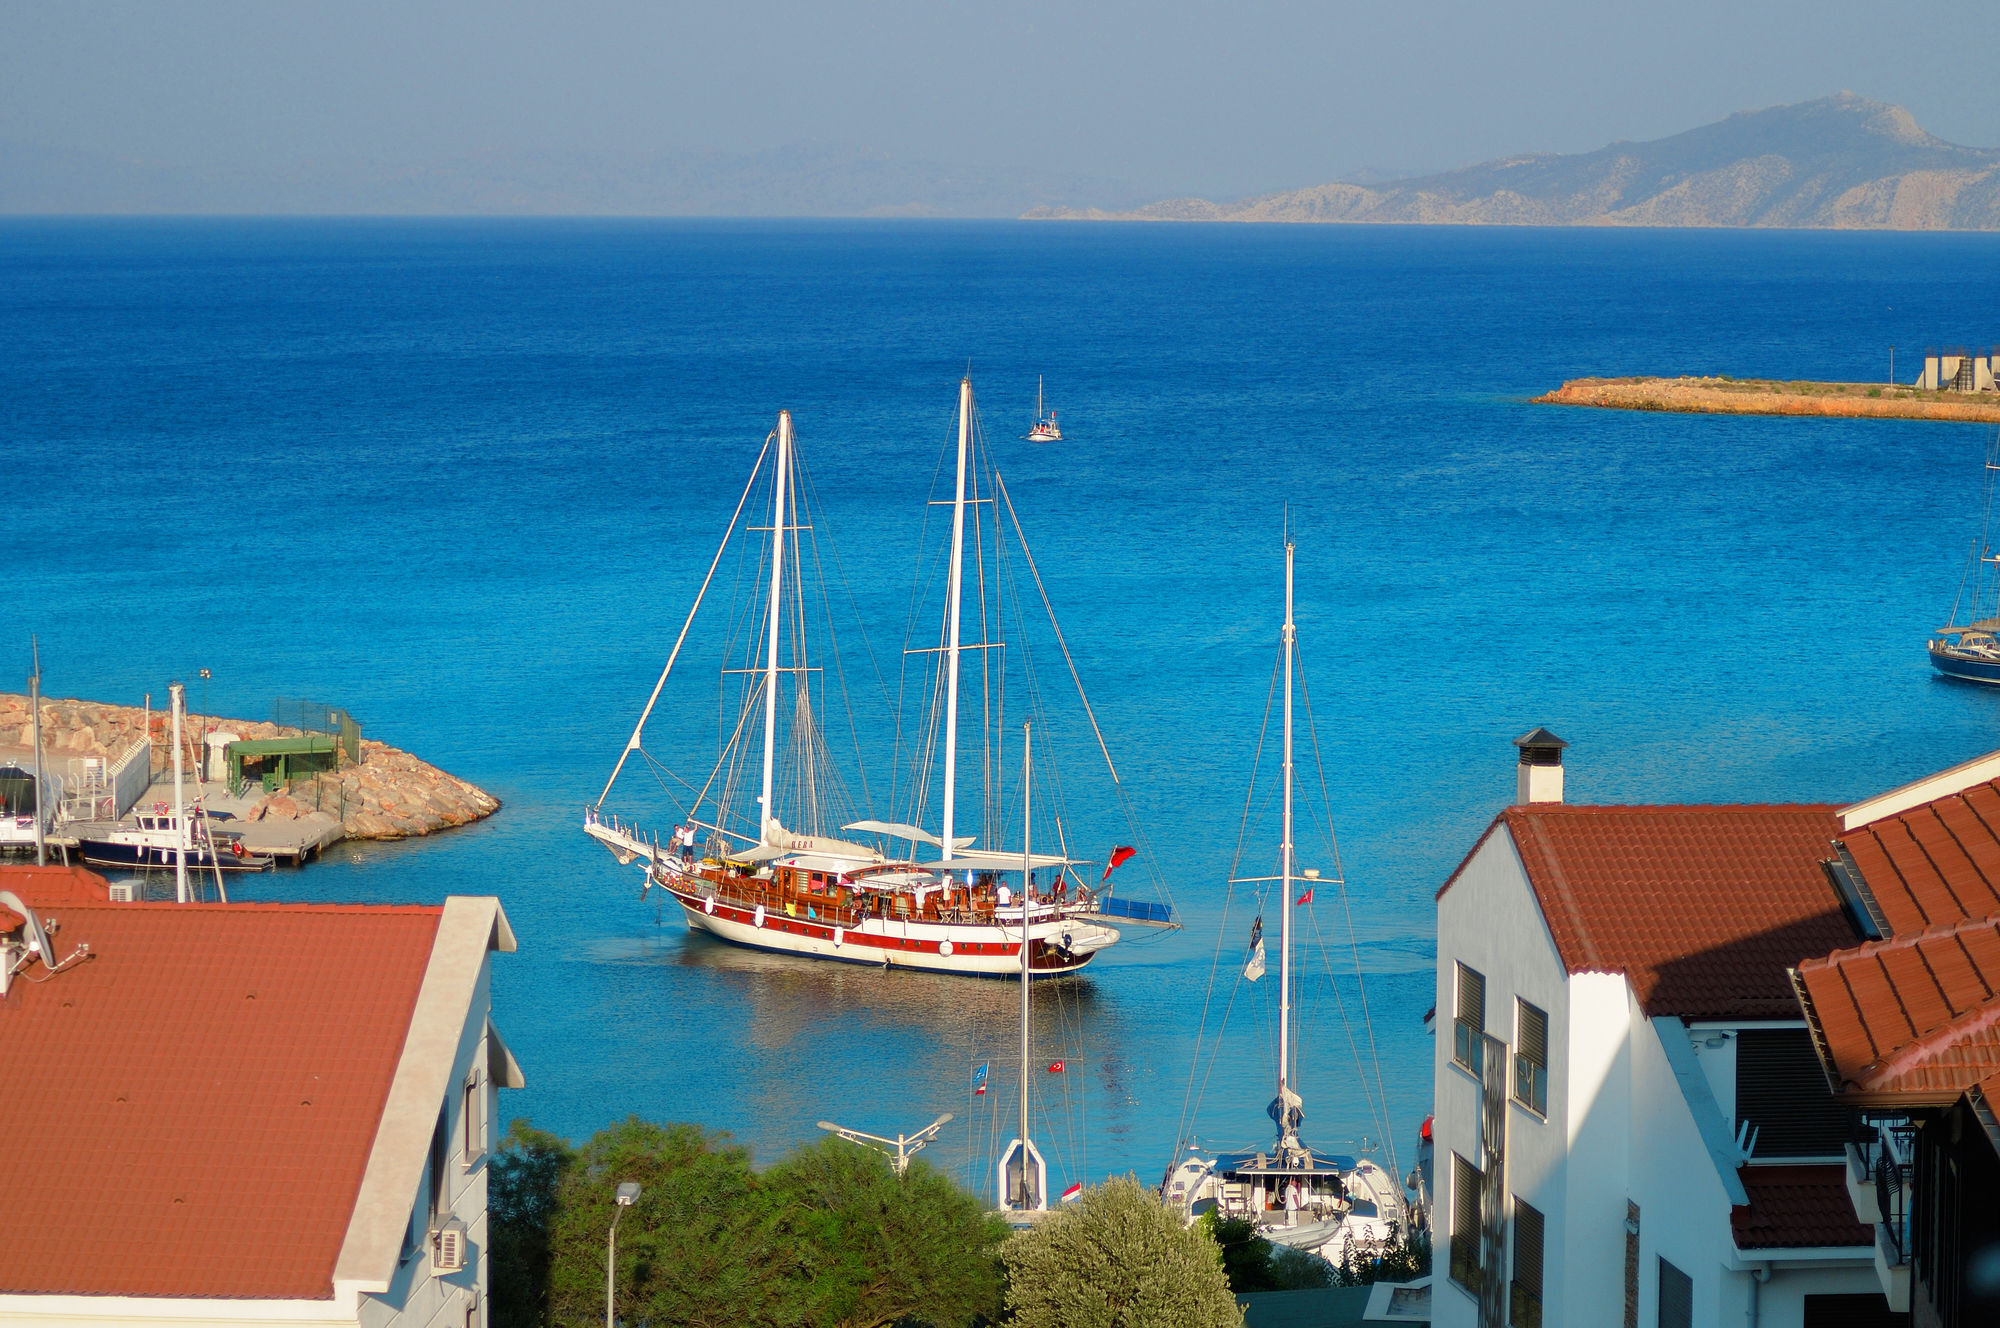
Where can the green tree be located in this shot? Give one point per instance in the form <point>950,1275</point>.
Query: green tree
<point>871,1249</point>
<point>1254,1264</point>
<point>521,1185</point>
<point>1119,1259</point>
<point>700,1247</point>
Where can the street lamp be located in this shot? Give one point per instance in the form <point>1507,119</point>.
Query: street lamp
<point>628,1194</point>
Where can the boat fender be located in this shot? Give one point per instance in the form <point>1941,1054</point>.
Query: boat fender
<point>944,948</point>
<point>708,904</point>
<point>839,935</point>
<point>759,919</point>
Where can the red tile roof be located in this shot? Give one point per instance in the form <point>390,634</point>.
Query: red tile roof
<point>1934,863</point>
<point>1911,1020</point>
<point>1703,908</point>
<point>49,885</point>
<point>190,1109</point>
<point>1796,1208</point>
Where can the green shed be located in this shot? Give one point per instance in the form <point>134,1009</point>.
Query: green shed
<point>274,762</point>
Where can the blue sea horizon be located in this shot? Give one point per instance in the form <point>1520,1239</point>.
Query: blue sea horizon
<point>463,477</point>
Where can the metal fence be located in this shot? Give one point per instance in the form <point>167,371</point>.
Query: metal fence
<point>289,712</point>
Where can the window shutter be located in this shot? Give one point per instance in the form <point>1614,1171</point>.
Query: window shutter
<point>1676,1297</point>
<point>1465,1186</point>
<point>1471,997</point>
<point>1534,1034</point>
<point>1525,1304</point>
<point>1782,1091</point>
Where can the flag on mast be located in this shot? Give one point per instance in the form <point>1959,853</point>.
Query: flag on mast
<point>1075,1191</point>
<point>1306,898</point>
<point>1254,967</point>
<point>979,1080</point>
<point>1055,1067</point>
<point>1119,857</point>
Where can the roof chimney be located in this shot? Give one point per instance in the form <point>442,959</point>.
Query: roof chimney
<point>1539,776</point>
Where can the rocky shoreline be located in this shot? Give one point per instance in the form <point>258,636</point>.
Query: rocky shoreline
<point>389,794</point>
<point>1733,396</point>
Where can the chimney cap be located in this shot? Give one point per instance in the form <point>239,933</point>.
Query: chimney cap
<point>1539,737</point>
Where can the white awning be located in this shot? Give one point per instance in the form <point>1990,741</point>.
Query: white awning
<point>897,830</point>
<point>990,861</point>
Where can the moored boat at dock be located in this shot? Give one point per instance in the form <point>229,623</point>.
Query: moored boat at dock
<point>1969,650</point>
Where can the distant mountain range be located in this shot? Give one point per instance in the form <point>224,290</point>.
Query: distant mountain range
<point>1841,162</point>
<point>800,180</point>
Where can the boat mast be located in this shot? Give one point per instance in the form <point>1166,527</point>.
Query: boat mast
<point>1027,894</point>
<point>952,614</point>
<point>178,696</point>
<point>35,704</point>
<point>783,475</point>
<point>1287,1137</point>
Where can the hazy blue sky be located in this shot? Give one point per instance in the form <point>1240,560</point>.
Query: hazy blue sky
<point>1171,96</point>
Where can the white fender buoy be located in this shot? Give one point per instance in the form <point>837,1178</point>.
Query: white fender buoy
<point>839,934</point>
<point>708,904</point>
<point>759,919</point>
<point>944,948</point>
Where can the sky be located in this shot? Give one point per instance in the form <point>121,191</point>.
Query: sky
<point>1167,98</point>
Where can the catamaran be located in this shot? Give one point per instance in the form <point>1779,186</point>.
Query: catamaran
<point>741,874</point>
<point>1294,1194</point>
<point>1046,429</point>
<point>1970,649</point>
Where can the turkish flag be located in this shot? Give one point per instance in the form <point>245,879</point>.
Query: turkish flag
<point>1119,857</point>
<point>1306,898</point>
<point>1055,1067</point>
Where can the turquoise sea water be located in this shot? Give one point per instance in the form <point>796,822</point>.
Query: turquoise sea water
<point>464,477</point>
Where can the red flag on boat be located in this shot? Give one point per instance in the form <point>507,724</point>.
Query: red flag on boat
<point>1306,898</point>
<point>1055,1067</point>
<point>1119,857</point>
<point>1073,1192</point>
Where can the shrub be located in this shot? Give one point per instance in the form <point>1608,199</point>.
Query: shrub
<point>1118,1259</point>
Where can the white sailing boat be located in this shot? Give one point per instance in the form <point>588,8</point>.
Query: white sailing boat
<point>1046,429</point>
<point>755,882</point>
<point>1294,1194</point>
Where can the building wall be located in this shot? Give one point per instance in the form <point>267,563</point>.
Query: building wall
<point>415,1298</point>
<point>1489,921</point>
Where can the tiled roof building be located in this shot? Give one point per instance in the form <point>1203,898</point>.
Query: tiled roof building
<point>1619,976</point>
<point>243,1111</point>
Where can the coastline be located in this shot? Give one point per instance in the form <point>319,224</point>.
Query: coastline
<point>1732,396</point>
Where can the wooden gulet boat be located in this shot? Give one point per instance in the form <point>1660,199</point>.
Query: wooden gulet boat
<point>951,909</point>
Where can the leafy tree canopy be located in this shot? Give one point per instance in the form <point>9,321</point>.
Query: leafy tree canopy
<point>1119,1259</point>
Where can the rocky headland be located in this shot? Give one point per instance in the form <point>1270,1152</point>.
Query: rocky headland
<point>1750,396</point>
<point>389,794</point>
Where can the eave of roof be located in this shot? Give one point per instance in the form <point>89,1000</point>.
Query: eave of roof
<point>1797,1207</point>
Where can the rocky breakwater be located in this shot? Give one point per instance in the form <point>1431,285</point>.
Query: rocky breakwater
<point>1756,396</point>
<point>388,794</point>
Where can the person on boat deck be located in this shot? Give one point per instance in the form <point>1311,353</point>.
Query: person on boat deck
<point>1005,897</point>
<point>685,838</point>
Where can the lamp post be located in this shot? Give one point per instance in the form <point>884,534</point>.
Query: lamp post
<point>628,1193</point>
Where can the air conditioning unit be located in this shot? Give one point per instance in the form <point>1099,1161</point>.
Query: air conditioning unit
<point>448,1253</point>
<point>126,892</point>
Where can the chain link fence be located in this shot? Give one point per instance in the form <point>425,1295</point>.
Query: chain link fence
<point>289,712</point>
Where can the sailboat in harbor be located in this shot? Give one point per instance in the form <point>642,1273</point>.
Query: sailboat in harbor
<point>1046,429</point>
<point>1292,1193</point>
<point>1969,647</point>
<point>741,874</point>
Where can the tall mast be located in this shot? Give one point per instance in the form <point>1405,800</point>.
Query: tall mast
<point>952,614</point>
<point>35,704</point>
<point>783,474</point>
<point>1027,880</point>
<point>1285,1133</point>
<point>178,695</point>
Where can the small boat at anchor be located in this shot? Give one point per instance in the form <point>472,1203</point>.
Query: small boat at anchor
<point>1969,648</point>
<point>1046,429</point>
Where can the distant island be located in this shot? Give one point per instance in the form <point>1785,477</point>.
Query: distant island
<point>1841,162</point>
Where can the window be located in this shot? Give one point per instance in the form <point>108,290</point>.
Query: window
<point>440,1198</point>
<point>1676,1297</point>
<point>1782,1092</point>
<point>1469,1049</point>
<point>1525,1303</point>
<point>1465,1185</point>
<point>472,1117</point>
<point>1531,1057</point>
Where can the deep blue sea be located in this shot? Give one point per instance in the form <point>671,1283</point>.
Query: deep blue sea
<point>464,477</point>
